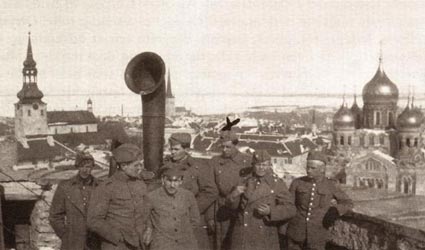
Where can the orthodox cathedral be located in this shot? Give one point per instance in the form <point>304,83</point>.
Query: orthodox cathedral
<point>382,144</point>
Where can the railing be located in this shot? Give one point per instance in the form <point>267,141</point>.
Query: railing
<point>361,232</point>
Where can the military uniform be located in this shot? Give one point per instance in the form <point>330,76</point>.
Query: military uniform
<point>313,201</point>
<point>226,173</point>
<point>116,212</point>
<point>173,219</point>
<point>68,213</point>
<point>253,231</point>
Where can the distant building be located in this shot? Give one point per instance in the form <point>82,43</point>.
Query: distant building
<point>384,149</point>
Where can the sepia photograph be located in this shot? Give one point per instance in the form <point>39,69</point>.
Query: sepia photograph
<point>212,125</point>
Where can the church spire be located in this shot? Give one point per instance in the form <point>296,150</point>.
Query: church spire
<point>381,67</point>
<point>29,91</point>
<point>169,93</point>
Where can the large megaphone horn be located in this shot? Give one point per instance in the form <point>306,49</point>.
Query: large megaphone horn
<point>145,76</point>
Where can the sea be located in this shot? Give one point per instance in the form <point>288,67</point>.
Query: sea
<point>202,104</point>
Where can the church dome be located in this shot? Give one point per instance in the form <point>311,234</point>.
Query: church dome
<point>343,118</point>
<point>410,118</point>
<point>380,88</point>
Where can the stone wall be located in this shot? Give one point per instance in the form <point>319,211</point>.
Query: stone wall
<point>41,233</point>
<point>361,232</point>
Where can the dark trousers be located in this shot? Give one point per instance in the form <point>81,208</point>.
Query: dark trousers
<point>304,245</point>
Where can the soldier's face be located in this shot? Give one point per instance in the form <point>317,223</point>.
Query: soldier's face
<point>228,148</point>
<point>262,168</point>
<point>315,169</point>
<point>177,152</point>
<point>84,171</point>
<point>171,184</point>
<point>132,169</point>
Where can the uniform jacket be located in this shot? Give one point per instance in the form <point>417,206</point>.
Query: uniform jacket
<point>195,175</point>
<point>68,214</point>
<point>116,211</point>
<point>313,201</point>
<point>225,173</point>
<point>253,231</point>
<point>173,220</point>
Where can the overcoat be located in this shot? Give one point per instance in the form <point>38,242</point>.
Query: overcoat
<point>68,214</point>
<point>253,231</point>
<point>116,212</point>
<point>226,173</point>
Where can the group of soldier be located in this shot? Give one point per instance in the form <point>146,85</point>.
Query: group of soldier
<point>232,201</point>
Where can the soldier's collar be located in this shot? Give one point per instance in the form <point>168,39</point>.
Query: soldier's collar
<point>120,175</point>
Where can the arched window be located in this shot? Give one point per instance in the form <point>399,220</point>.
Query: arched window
<point>341,140</point>
<point>408,143</point>
<point>378,118</point>
<point>361,140</point>
<point>416,142</point>
<point>371,140</point>
<point>29,112</point>
<point>390,119</point>
<point>349,140</point>
<point>381,139</point>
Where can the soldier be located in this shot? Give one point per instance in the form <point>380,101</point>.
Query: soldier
<point>116,209</point>
<point>315,213</point>
<point>263,202</point>
<point>68,213</point>
<point>194,175</point>
<point>228,170</point>
<point>173,215</point>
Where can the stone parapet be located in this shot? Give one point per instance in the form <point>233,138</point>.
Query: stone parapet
<point>360,232</point>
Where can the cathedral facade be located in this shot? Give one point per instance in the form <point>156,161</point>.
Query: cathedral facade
<point>382,144</point>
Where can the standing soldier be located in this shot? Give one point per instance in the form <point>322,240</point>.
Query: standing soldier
<point>228,170</point>
<point>173,215</point>
<point>315,213</point>
<point>68,213</point>
<point>194,175</point>
<point>116,209</point>
<point>263,202</point>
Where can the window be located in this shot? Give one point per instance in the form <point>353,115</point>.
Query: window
<point>381,139</point>
<point>378,118</point>
<point>415,144</point>
<point>56,130</point>
<point>390,119</point>
<point>362,140</point>
<point>87,130</point>
<point>29,112</point>
<point>41,112</point>
<point>408,142</point>
<point>371,140</point>
<point>341,140</point>
<point>349,140</point>
<point>72,130</point>
<point>290,160</point>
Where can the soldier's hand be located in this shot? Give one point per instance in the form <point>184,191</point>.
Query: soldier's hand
<point>264,209</point>
<point>238,191</point>
<point>211,226</point>
<point>147,236</point>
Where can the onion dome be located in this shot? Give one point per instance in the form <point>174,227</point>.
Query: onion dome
<point>89,101</point>
<point>411,117</point>
<point>343,118</point>
<point>380,88</point>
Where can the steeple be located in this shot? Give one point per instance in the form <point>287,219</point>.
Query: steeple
<point>169,93</point>
<point>381,67</point>
<point>29,92</point>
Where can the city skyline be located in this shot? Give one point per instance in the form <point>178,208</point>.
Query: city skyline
<point>238,47</point>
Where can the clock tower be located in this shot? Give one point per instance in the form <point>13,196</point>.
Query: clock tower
<point>30,110</point>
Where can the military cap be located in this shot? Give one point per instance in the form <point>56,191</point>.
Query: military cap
<point>317,156</point>
<point>172,173</point>
<point>127,153</point>
<point>260,156</point>
<point>82,157</point>
<point>180,138</point>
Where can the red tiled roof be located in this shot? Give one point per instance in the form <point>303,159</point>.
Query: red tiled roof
<point>71,117</point>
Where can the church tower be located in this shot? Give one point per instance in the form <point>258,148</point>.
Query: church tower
<point>170,110</point>
<point>30,110</point>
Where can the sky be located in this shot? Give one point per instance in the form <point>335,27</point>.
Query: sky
<point>213,47</point>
